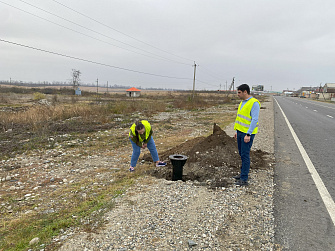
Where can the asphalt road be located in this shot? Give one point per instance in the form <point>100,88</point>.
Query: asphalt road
<point>303,222</point>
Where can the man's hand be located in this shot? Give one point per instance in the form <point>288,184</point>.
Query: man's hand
<point>246,139</point>
<point>144,146</point>
<point>235,135</point>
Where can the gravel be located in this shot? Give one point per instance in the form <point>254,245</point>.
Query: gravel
<point>157,214</point>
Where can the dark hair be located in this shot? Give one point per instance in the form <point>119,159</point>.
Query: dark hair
<point>138,126</point>
<point>244,87</point>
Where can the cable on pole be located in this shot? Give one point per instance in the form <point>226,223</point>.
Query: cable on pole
<point>156,56</point>
<point>89,61</point>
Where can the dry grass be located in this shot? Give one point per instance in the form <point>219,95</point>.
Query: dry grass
<point>38,116</point>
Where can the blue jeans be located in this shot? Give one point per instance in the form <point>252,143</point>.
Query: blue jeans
<point>244,151</point>
<point>137,151</point>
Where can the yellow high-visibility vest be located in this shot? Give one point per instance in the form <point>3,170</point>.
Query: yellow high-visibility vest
<point>147,127</point>
<point>243,118</point>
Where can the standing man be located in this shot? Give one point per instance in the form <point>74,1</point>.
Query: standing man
<point>246,126</point>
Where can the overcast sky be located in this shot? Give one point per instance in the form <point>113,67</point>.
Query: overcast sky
<point>153,43</point>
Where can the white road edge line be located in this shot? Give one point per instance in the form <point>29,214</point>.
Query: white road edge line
<point>327,199</point>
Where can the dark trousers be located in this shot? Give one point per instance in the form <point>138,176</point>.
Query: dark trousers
<point>244,151</point>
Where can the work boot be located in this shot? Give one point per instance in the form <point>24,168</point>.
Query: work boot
<point>237,177</point>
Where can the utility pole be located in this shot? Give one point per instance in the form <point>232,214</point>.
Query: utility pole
<point>195,67</point>
<point>107,87</point>
<point>97,88</point>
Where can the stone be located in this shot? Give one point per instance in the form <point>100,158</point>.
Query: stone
<point>191,243</point>
<point>34,241</point>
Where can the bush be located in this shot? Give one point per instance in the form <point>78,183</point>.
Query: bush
<point>39,96</point>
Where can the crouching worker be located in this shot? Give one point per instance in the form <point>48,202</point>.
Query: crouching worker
<point>140,136</point>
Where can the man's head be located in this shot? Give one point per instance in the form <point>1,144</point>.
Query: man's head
<point>139,127</point>
<point>243,91</point>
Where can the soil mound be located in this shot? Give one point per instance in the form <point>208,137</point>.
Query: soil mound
<point>212,160</point>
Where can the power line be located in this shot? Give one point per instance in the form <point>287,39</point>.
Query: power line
<point>212,74</point>
<point>207,83</point>
<point>160,57</point>
<point>209,72</point>
<point>118,30</point>
<point>99,32</point>
<point>90,61</point>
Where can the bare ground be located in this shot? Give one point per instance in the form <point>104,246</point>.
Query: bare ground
<point>213,159</point>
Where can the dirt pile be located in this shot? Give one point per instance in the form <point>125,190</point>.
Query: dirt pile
<point>213,159</point>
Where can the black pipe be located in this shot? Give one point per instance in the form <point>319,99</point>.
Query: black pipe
<point>178,161</point>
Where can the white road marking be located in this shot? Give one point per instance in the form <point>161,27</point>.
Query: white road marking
<point>327,199</point>
<point>315,110</point>
<point>317,103</point>
<point>330,116</point>
<point>306,107</point>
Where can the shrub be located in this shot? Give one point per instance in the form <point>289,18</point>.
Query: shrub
<point>39,96</point>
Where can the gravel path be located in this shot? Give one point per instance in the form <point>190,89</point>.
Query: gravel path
<point>157,214</point>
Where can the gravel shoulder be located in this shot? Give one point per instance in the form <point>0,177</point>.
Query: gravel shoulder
<point>157,214</point>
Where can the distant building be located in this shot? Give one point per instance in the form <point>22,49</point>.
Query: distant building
<point>133,92</point>
<point>329,88</point>
<point>305,92</point>
<point>288,93</point>
<point>327,92</point>
<point>258,88</point>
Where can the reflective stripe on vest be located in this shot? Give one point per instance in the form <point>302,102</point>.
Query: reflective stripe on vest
<point>147,127</point>
<point>243,118</point>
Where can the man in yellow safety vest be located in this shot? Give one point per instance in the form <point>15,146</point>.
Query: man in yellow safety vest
<point>140,136</point>
<point>246,126</point>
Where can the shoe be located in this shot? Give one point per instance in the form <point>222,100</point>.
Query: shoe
<point>160,163</point>
<point>237,177</point>
<point>131,169</point>
<point>241,183</point>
